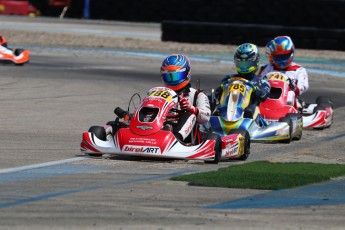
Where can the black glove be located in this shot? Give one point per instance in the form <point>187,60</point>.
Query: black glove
<point>258,92</point>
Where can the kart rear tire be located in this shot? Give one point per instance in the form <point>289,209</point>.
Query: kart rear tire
<point>246,135</point>
<point>289,121</point>
<point>217,148</point>
<point>99,132</point>
<point>324,100</point>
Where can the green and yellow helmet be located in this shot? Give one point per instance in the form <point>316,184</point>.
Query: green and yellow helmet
<point>247,58</point>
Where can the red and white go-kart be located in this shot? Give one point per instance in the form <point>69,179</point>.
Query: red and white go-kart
<point>143,133</point>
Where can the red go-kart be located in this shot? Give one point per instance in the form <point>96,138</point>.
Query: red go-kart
<point>144,134</point>
<point>12,56</point>
<point>280,105</point>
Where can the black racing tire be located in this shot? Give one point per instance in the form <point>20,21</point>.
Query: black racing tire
<point>217,148</point>
<point>300,128</point>
<point>18,51</point>
<point>99,132</point>
<point>289,121</point>
<point>324,100</point>
<point>246,136</point>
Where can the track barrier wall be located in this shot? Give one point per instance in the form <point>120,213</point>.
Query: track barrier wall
<point>314,24</point>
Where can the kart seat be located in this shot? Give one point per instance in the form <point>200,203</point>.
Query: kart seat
<point>275,93</point>
<point>148,114</point>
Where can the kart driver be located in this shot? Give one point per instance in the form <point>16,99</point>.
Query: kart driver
<point>193,103</point>
<point>246,61</point>
<point>280,54</point>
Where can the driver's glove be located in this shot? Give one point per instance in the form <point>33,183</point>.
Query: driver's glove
<point>258,92</point>
<point>172,117</point>
<point>293,87</point>
<point>185,105</point>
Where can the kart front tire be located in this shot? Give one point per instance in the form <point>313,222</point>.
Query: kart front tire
<point>99,132</point>
<point>300,124</point>
<point>246,136</point>
<point>289,121</point>
<point>217,148</point>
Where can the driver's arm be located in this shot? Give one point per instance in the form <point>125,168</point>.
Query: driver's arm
<point>203,105</point>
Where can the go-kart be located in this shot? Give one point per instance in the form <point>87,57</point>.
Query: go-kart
<point>12,56</point>
<point>279,105</point>
<point>144,133</point>
<point>231,112</point>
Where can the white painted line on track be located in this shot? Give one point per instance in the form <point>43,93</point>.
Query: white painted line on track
<point>41,165</point>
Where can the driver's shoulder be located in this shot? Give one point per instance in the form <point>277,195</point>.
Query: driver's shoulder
<point>194,91</point>
<point>227,77</point>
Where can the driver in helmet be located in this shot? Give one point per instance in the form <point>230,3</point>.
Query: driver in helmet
<point>194,104</point>
<point>280,54</point>
<point>246,60</point>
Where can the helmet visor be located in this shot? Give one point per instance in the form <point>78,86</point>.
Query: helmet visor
<point>174,78</point>
<point>245,66</point>
<point>283,60</point>
<point>282,57</point>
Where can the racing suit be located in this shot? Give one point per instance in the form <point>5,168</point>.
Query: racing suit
<point>188,119</point>
<point>260,94</point>
<point>295,72</point>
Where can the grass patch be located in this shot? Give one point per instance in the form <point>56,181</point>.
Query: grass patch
<point>265,175</point>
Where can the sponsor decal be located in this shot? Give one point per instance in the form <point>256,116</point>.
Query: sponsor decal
<point>142,140</point>
<point>230,140</point>
<point>144,127</point>
<point>190,126</point>
<point>231,150</point>
<point>208,150</point>
<point>141,149</point>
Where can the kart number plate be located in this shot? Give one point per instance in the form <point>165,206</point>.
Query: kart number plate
<point>276,76</point>
<point>161,93</point>
<point>237,87</point>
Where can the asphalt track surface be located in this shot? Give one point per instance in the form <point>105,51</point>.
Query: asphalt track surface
<point>46,184</point>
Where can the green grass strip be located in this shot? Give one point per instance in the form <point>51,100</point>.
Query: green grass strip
<point>265,175</point>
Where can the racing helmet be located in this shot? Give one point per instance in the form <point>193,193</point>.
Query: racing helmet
<point>282,51</point>
<point>247,59</point>
<point>176,71</point>
<point>3,41</point>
